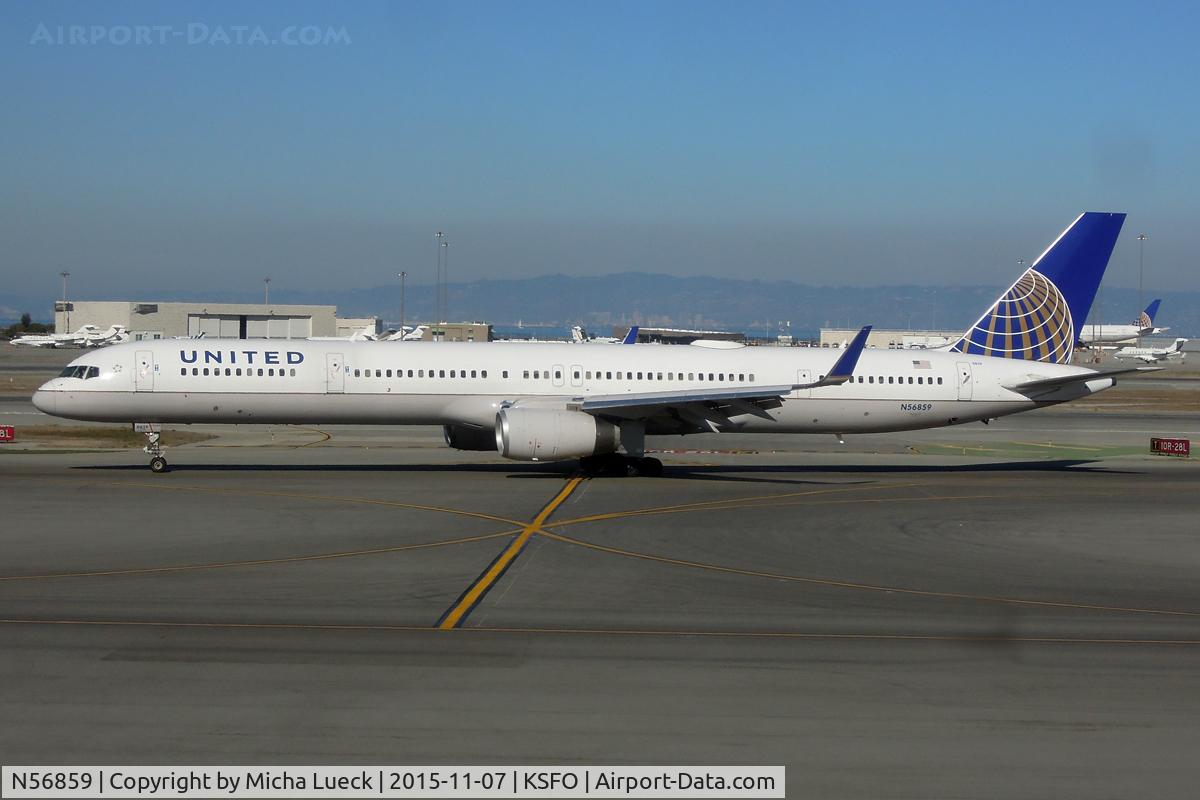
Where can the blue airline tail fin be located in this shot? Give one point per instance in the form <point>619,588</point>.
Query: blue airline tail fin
<point>1037,319</point>
<point>1146,320</point>
<point>631,337</point>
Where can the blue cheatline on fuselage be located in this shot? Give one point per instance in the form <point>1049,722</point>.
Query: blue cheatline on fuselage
<point>1035,319</point>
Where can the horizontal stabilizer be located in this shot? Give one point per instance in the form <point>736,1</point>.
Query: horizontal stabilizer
<point>1079,377</point>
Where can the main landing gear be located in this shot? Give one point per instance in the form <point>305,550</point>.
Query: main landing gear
<point>153,449</point>
<point>614,464</point>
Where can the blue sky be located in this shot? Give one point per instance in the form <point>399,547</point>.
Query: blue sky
<point>828,143</point>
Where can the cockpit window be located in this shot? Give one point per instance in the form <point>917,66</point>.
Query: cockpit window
<point>80,372</point>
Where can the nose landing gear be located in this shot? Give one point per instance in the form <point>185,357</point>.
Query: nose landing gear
<point>158,463</point>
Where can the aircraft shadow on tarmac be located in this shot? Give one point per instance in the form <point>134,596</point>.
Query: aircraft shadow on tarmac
<point>750,473</point>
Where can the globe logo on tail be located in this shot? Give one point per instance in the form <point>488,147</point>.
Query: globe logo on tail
<point>1032,321</point>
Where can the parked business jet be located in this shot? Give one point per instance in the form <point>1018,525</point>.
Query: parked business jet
<point>408,334</point>
<point>579,335</point>
<point>1153,354</point>
<point>562,401</point>
<point>1117,334</point>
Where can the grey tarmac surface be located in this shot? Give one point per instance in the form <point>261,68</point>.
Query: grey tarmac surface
<point>986,611</point>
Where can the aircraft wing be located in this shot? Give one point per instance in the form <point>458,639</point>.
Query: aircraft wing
<point>1082,377</point>
<point>712,404</point>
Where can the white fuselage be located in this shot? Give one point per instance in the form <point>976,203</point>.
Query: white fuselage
<point>1114,334</point>
<point>444,383</point>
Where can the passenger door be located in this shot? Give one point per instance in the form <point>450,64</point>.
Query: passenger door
<point>143,378</point>
<point>965,380</point>
<point>335,374</point>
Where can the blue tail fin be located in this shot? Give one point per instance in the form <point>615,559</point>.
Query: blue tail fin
<point>1146,320</point>
<point>632,336</point>
<point>1038,317</point>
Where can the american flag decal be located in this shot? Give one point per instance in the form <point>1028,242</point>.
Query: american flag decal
<point>921,365</point>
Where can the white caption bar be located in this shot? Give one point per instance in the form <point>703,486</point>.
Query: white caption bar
<point>391,782</point>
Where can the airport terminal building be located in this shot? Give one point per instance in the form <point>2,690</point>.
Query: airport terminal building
<point>150,320</point>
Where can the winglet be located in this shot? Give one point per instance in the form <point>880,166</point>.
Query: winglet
<point>843,368</point>
<point>632,336</point>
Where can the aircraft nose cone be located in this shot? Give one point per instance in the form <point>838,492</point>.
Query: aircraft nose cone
<point>45,401</point>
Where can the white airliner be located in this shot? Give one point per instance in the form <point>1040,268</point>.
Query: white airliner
<point>86,336</point>
<point>562,401</point>
<point>1116,334</point>
<point>1153,354</point>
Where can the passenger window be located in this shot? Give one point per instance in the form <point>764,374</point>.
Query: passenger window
<point>271,372</point>
<point>891,379</point>
<point>721,376</point>
<point>910,380</point>
<point>183,370</point>
<point>420,373</point>
<point>473,373</point>
<point>441,373</point>
<point>871,379</point>
<point>558,374</point>
<point>920,379</point>
<point>660,376</point>
<point>206,370</point>
<point>451,373</point>
<point>504,374</point>
<point>741,378</point>
<point>483,373</point>
<point>691,376</point>
<point>670,376</point>
<point>356,373</point>
<point>195,371</point>
<point>710,376</point>
<point>618,375</point>
<point>410,373</point>
<point>752,377</point>
<point>939,381</point>
<point>238,372</point>
<point>639,376</point>
<point>378,373</point>
<point>537,374</point>
<point>260,372</point>
<point>587,377</point>
<point>389,373</point>
<point>575,375</point>
<point>608,376</point>
<point>526,374</point>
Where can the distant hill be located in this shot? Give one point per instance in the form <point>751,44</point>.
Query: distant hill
<point>756,307</point>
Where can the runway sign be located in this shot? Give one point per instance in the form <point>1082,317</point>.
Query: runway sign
<point>7,434</point>
<point>1171,447</point>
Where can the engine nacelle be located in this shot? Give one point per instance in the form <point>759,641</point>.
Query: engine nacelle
<point>464,437</point>
<point>547,434</point>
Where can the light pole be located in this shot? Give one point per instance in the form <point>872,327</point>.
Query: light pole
<point>403,275</point>
<point>438,290</point>
<point>66,305</point>
<point>1141,269</point>
<point>445,280</point>
<point>267,291</point>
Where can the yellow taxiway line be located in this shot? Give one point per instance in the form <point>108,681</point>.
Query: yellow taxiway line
<point>475,592</point>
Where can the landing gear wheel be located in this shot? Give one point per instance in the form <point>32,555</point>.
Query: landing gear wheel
<point>158,464</point>
<point>650,467</point>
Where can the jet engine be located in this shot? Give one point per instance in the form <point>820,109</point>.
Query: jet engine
<point>547,434</point>
<point>465,437</point>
